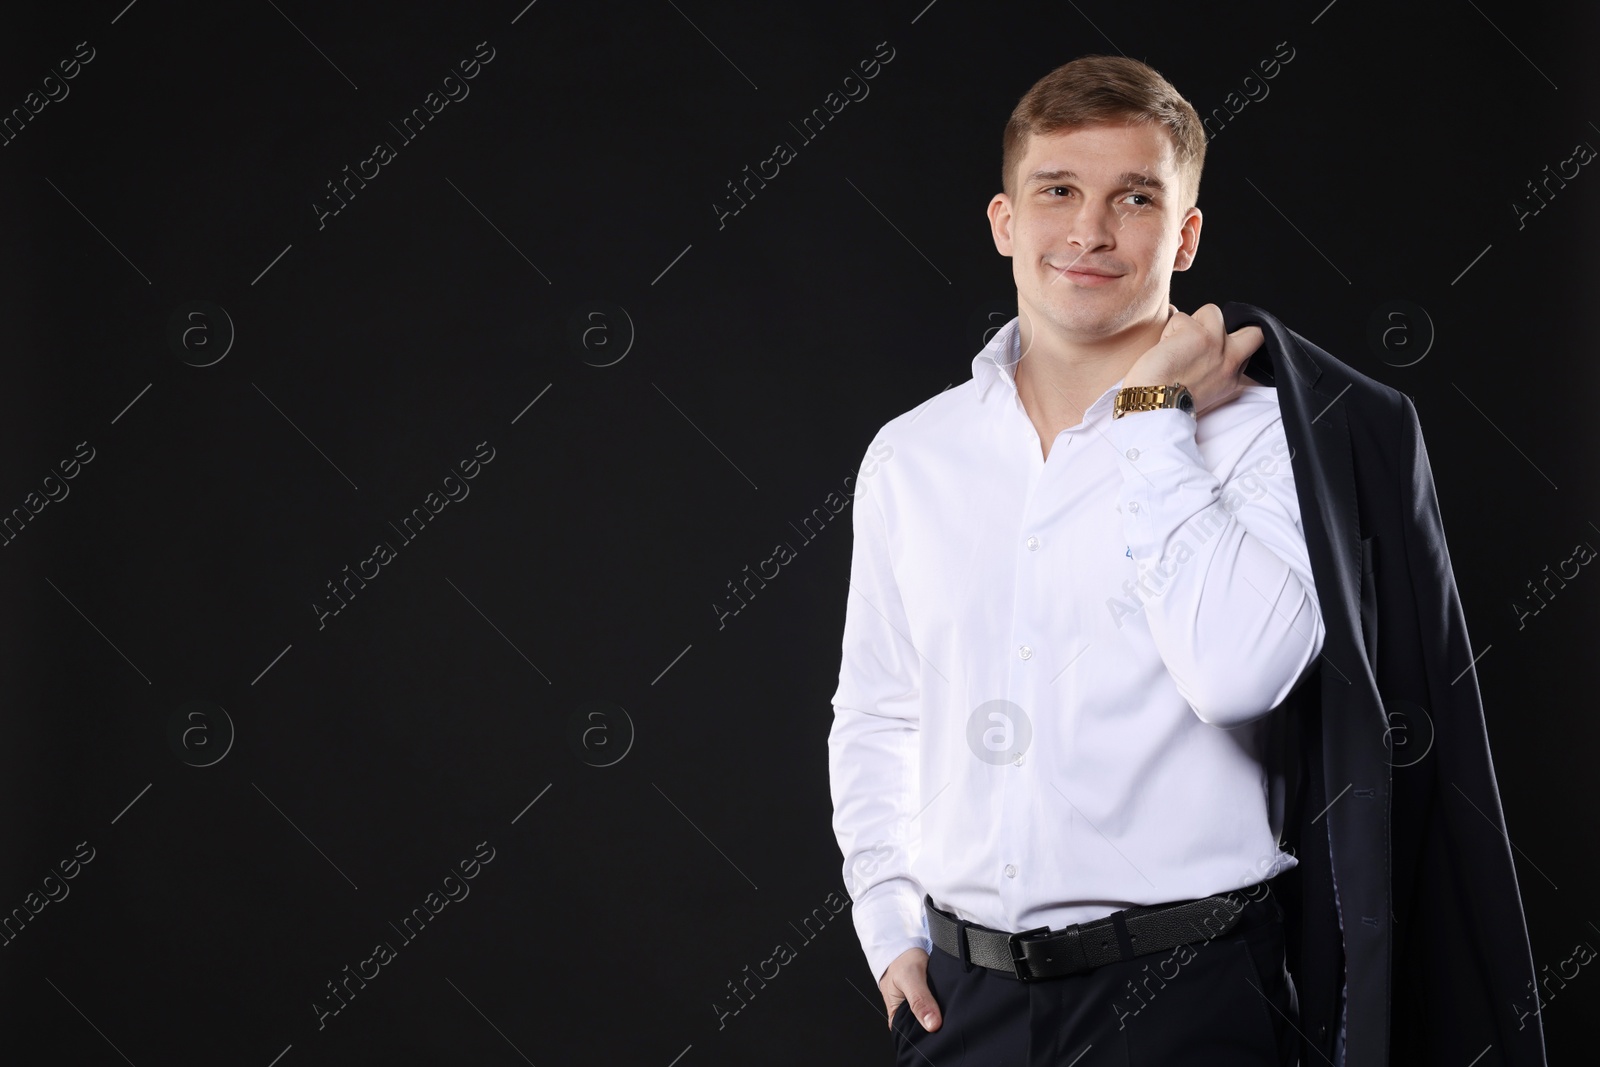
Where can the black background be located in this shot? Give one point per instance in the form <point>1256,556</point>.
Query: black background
<point>735,378</point>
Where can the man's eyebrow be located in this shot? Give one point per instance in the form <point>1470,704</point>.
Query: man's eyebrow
<point>1129,179</point>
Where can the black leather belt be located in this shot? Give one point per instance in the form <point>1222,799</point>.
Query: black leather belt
<point>1123,935</point>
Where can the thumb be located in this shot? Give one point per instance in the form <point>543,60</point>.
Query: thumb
<point>915,989</point>
<point>1175,320</point>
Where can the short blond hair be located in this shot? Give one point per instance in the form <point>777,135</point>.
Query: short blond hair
<point>1097,90</point>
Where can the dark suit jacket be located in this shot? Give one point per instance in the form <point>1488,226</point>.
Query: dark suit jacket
<point>1383,786</point>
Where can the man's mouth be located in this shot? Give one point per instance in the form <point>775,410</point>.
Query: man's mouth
<point>1086,275</point>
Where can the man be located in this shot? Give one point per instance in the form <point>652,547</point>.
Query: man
<point>1095,663</point>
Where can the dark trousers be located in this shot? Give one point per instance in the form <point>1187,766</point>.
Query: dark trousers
<point>1226,1001</point>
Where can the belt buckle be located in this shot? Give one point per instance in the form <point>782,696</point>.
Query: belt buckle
<point>1018,955</point>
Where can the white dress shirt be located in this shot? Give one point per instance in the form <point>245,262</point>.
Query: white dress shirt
<point>1056,674</point>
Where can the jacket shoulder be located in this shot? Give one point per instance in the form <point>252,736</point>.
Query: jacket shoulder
<point>1369,399</point>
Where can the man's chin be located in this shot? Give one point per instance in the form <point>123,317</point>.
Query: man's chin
<point>1090,323</point>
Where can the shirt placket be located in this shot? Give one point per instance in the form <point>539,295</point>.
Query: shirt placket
<point>1028,652</point>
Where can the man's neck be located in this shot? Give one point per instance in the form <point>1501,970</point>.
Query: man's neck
<point>1058,378</point>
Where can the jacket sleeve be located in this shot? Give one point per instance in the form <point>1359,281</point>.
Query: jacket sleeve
<point>873,745</point>
<point>1468,920</point>
<point>1225,573</point>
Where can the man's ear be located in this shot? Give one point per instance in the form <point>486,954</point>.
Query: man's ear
<point>1000,223</point>
<point>1188,240</point>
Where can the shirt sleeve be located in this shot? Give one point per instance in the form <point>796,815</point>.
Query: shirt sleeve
<point>873,745</point>
<point>1225,577</point>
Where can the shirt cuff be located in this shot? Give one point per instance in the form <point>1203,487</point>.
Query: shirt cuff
<point>1154,440</point>
<point>1160,462</point>
<point>888,924</point>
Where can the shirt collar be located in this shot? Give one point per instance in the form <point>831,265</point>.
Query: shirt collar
<point>998,359</point>
<point>997,362</point>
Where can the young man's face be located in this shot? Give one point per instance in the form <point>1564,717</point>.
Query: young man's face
<point>1087,200</point>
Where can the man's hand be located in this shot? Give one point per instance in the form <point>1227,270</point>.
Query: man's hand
<point>907,979</point>
<point>1197,351</point>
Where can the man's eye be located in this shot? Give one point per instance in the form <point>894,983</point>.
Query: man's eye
<point>1142,196</point>
<point>1056,189</point>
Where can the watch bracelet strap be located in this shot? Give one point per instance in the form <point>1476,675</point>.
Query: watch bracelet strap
<point>1143,398</point>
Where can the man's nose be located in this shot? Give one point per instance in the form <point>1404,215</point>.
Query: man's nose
<point>1094,226</point>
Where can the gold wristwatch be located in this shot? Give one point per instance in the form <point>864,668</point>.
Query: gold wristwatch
<point>1151,398</point>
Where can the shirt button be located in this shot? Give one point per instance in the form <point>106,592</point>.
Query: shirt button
<point>1033,544</point>
<point>1025,652</point>
<point>1019,759</point>
<point>1011,870</point>
<point>1133,505</point>
<point>1133,453</point>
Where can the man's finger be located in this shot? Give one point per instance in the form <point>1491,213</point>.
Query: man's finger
<point>1209,318</point>
<point>1242,343</point>
<point>915,990</point>
<point>1175,321</point>
<point>923,1005</point>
